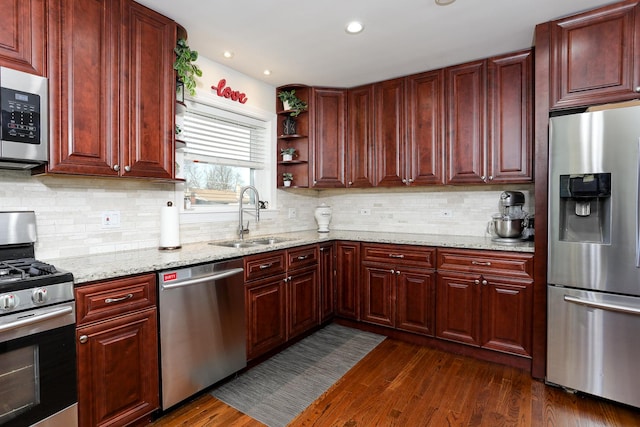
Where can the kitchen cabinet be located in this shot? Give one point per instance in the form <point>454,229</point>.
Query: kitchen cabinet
<point>117,348</point>
<point>282,294</point>
<point>328,142</point>
<point>120,121</point>
<point>348,280</point>
<point>23,35</point>
<point>488,119</point>
<point>389,132</point>
<point>327,281</point>
<point>300,140</point>
<point>398,287</point>
<point>594,57</point>
<point>359,151</point>
<point>484,299</point>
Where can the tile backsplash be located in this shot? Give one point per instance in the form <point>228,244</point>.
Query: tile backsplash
<point>69,212</point>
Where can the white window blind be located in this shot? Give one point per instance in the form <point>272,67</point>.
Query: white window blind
<point>222,137</point>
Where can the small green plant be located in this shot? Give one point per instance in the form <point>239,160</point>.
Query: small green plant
<point>187,71</point>
<point>287,176</point>
<point>289,150</point>
<point>296,105</point>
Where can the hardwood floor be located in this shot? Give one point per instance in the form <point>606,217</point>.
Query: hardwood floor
<point>401,384</point>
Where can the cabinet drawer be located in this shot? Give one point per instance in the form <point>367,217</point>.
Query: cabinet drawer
<point>264,265</point>
<point>108,299</point>
<point>415,256</point>
<point>511,264</point>
<point>302,257</point>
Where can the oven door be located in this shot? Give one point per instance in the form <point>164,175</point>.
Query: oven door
<point>38,367</point>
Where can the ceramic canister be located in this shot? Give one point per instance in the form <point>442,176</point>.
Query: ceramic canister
<point>323,217</point>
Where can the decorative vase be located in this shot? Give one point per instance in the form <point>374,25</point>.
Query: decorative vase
<point>287,157</point>
<point>287,183</point>
<point>322,215</point>
<point>289,125</point>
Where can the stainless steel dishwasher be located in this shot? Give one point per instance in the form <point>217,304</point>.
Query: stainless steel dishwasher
<point>202,327</point>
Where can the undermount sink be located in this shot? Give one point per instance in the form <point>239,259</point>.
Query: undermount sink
<point>239,244</point>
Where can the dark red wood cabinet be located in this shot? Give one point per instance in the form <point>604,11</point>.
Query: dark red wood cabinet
<point>389,132</point>
<point>359,151</point>
<point>348,280</point>
<point>23,35</point>
<point>329,139</point>
<point>327,281</point>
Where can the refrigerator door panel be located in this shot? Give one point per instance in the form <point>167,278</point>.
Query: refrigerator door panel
<point>593,343</point>
<point>592,143</point>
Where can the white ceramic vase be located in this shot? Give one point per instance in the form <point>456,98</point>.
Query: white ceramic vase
<point>323,217</point>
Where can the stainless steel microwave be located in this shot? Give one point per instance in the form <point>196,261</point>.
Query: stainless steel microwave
<point>24,121</point>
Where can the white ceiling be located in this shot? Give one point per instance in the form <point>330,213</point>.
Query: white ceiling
<point>303,41</point>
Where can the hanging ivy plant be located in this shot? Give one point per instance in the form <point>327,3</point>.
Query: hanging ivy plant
<point>187,71</point>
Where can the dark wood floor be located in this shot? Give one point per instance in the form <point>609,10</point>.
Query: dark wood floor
<point>400,384</point>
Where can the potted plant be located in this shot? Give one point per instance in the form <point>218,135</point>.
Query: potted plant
<point>287,154</point>
<point>291,102</point>
<point>187,71</point>
<point>287,177</point>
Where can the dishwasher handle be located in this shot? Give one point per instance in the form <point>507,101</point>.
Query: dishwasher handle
<point>216,276</point>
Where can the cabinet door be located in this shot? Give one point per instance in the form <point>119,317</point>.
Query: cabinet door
<point>458,307</point>
<point>118,369</point>
<point>594,56</point>
<point>425,139</point>
<point>147,94</point>
<point>266,321</point>
<point>360,137</point>
<point>348,280</point>
<point>327,281</point>
<point>510,155</point>
<point>506,315</point>
<point>328,162</point>
<point>389,134</point>
<point>378,294</point>
<point>83,47</point>
<point>22,39</point>
<point>415,301</point>
<point>302,288</point>
<point>466,114</point>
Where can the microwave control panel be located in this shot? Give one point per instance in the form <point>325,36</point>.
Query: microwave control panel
<point>20,116</point>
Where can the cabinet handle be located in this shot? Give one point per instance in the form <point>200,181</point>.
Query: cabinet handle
<point>127,168</point>
<point>265,266</point>
<point>116,168</point>
<point>486,264</point>
<point>302,257</point>
<point>83,339</point>
<point>112,300</point>
<point>477,282</point>
<point>484,283</point>
<point>396,256</point>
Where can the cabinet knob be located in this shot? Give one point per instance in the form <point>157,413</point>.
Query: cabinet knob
<point>83,339</point>
<point>350,182</point>
<point>404,181</point>
<point>638,89</point>
<point>393,271</point>
<point>410,180</point>
<point>398,272</point>
<point>116,168</point>
<point>490,178</point>
<point>127,168</point>
<point>483,178</point>
<point>484,283</point>
<point>477,282</point>
<point>315,182</point>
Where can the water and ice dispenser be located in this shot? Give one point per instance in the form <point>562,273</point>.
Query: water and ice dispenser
<point>585,208</point>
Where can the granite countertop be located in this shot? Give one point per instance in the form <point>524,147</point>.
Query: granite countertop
<point>90,268</point>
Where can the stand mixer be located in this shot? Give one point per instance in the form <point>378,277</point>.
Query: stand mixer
<point>510,224</point>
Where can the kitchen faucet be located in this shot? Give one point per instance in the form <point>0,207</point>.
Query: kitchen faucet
<point>241,230</point>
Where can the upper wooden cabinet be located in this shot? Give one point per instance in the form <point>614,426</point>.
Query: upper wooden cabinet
<point>389,132</point>
<point>594,57</point>
<point>111,89</point>
<point>359,152</point>
<point>328,142</point>
<point>23,36</point>
<point>489,120</point>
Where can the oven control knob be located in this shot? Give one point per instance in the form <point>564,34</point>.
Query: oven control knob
<point>39,296</point>
<point>8,302</point>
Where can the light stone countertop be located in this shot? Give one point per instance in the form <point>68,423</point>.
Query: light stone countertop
<point>90,268</point>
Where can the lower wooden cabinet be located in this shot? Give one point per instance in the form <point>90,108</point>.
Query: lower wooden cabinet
<point>484,299</point>
<point>327,281</point>
<point>266,320</point>
<point>348,280</point>
<point>117,348</point>
<point>302,293</point>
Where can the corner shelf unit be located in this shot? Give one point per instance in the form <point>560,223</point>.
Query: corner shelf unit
<point>299,167</point>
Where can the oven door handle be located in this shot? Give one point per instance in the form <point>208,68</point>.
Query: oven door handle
<point>36,318</point>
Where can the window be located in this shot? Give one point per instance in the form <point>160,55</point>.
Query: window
<point>224,152</point>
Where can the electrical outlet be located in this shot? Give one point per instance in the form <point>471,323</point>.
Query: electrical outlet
<point>111,219</point>
<point>446,213</point>
<point>293,213</point>
<point>365,211</point>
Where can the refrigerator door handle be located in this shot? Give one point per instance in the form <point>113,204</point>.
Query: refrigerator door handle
<point>603,305</point>
<point>638,208</point>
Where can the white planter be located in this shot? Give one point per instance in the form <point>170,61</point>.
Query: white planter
<point>287,157</point>
<point>287,183</point>
<point>286,105</point>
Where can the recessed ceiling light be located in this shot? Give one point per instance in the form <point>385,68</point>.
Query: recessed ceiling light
<point>444,2</point>
<point>227,54</point>
<point>267,72</point>
<point>354,27</point>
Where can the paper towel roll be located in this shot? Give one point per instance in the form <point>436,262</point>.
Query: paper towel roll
<point>169,227</point>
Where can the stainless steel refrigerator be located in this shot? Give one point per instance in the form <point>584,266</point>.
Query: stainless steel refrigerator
<point>593,310</point>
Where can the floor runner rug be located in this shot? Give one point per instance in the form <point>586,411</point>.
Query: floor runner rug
<point>280,388</point>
